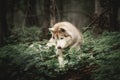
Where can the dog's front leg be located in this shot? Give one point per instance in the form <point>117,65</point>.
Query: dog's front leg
<point>61,61</point>
<point>60,57</point>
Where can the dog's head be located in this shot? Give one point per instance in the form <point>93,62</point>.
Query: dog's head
<point>60,37</point>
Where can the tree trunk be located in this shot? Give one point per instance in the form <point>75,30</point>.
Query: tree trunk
<point>11,13</point>
<point>106,13</point>
<point>4,32</point>
<point>46,21</point>
<point>97,13</point>
<point>98,8</point>
<point>31,14</point>
<point>113,14</point>
<point>53,12</point>
<point>60,10</point>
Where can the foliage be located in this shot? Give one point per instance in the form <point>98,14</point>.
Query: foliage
<point>24,34</point>
<point>35,61</point>
<point>107,51</point>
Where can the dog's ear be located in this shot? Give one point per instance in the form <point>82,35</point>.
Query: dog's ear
<point>51,30</point>
<point>62,30</point>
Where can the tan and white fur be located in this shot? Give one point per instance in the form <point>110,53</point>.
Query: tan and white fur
<point>64,35</point>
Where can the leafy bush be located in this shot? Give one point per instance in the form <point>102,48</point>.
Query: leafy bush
<point>107,51</point>
<point>36,61</point>
<point>25,34</point>
<point>25,61</point>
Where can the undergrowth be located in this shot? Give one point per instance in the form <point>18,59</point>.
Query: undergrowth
<point>34,61</point>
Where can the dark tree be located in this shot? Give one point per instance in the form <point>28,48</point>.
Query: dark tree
<point>54,12</point>
<point>113,14</point>
<point>4,32</point>
<point>46,21</point>
<point>11,5</point>
<point>59,9</point>
<point>50,15</point>
<point>106,13</point>
<point>31,14</point>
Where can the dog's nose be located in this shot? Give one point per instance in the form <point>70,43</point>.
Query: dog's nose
<point>59,47</point>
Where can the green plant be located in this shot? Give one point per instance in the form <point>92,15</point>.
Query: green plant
<point>107,51</point>
<point>35,61</point>
<point>26,34</point>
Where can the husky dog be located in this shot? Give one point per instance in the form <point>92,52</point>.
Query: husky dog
<point>64,34</point>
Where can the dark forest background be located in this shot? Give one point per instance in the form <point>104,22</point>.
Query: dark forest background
<point>98,14</point>
<point>25,22</point>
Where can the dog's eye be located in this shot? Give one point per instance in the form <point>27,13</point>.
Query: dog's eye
<point>53,37</point>
<point>61,38</point>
